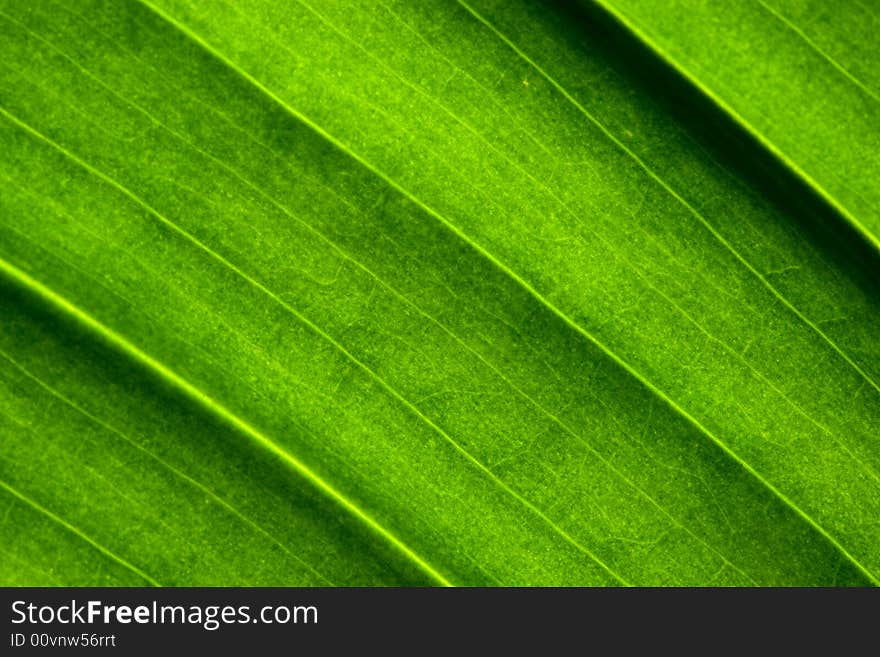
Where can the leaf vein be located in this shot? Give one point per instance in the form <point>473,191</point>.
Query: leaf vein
<point>77,532</point>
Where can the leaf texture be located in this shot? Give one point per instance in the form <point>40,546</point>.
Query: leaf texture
<point>376,292</point>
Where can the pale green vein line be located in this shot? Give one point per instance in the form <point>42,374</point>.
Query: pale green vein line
<point>348,257</point>
<point>217,409</point>
<point>513,275</point>
<point>178,473</point>
<point>840,69</point>
<point>61,521</point>
<point>431,99</point>
<point>321,333</point>
<point>630,25</point>
<point>654,176</point>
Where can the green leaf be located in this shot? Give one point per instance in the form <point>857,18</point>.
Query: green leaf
<point>376,292</point>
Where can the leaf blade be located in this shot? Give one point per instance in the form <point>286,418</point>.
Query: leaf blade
<point>494,375</point>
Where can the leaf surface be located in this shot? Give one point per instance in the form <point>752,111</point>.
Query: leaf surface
<point>407,293</point>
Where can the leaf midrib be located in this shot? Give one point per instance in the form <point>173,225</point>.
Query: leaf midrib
<point>199,41</point>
